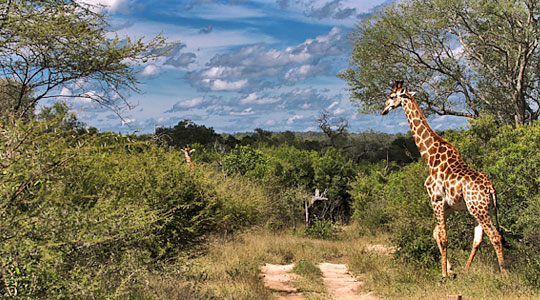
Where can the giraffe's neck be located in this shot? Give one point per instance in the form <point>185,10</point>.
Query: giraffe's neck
<point>425,138</point>
<point>188,161</point>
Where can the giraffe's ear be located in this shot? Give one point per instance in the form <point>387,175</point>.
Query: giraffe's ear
<point>183,151</point>
<point>191,151</point>
<point>412,93</point>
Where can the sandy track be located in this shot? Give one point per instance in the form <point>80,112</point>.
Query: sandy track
<point>339,283</point>
<point>279,279</point>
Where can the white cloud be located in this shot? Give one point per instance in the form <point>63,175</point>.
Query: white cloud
<point>253,98</point>
<point>291,120</point>
<point>205,103</point>
<point>263,65</point>
<point>122,6</point>
<point>223,85</point>
<point>127,122</point>
<point>270,122</point>
<point>332,12</point>
<point>339,111</point>
<point>246,112</point>
<point>221,12</point>
<point>86,97</point>
<point>332,105</point>
<point>150,70</point>
<point>305,71</point>
<point>191,102</point>
<point>440,119</point>
<point>65,92</point>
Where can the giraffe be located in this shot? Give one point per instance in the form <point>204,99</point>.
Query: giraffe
<point>187,153</point>
<point>451,184</point>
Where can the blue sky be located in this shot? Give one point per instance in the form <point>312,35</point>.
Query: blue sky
<point>241,65</point>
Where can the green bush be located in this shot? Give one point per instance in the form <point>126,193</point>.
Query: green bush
<point>83,216</point>
<point>511,159</point>
<point>243,160</point>
<point>412,217</point>
<point>369,203</point>
<point>323,229</point>
<point>399,203</point>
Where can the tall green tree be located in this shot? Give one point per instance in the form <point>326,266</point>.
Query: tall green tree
<point>63,48</point>
<point>186,132</point>
<point>464,57</point>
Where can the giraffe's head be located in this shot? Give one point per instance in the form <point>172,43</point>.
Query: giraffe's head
<point>396,97</point>
<point>187,150</point>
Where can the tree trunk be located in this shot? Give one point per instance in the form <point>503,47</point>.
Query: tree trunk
<point>519,108</point>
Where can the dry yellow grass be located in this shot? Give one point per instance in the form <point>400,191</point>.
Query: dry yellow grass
<point>229,269</point>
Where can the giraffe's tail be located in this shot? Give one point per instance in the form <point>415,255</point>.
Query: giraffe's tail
<point>496,211</point>
<point>495,207</point>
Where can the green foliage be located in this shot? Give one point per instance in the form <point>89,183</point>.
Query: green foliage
<point>323,229</point>
<point>85,215</point>
<point>399,203</point>
<point>291,173</point>
<point>367,192</point>
<point>47,45</point>
<point>511,158</point>
<point>15,106</point>
<point>333,170</point>
<point>187,133</point>
<point>464,58</point>
<point>243,160</point>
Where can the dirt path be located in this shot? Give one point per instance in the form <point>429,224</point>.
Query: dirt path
<point>339,283</point>
<point>279,279</point>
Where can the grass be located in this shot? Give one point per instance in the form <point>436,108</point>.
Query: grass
<point>229,269</point>
<point>310,282</point>
<point>393,279</point>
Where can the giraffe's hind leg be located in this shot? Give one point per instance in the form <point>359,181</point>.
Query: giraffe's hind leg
<point>487,226</point>
<point>478,235</point>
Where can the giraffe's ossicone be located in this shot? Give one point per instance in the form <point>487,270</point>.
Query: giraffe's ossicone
<point>451,184</point>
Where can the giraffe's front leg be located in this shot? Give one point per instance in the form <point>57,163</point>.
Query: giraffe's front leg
<point>439,234</point>
<point>436,238</point>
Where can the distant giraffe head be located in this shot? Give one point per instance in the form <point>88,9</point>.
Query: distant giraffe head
<point>396,97</point>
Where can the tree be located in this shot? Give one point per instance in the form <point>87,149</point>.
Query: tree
<point>464,58</point>
<point>334,128</point>
<point>62,48</point>
<point>186,132</point>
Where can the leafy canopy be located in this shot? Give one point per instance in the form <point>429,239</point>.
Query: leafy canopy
<point>464,58</point>
<point>53,48</point>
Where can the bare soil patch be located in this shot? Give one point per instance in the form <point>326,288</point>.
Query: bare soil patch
<point>279,279</point>
<point>340,284</point>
